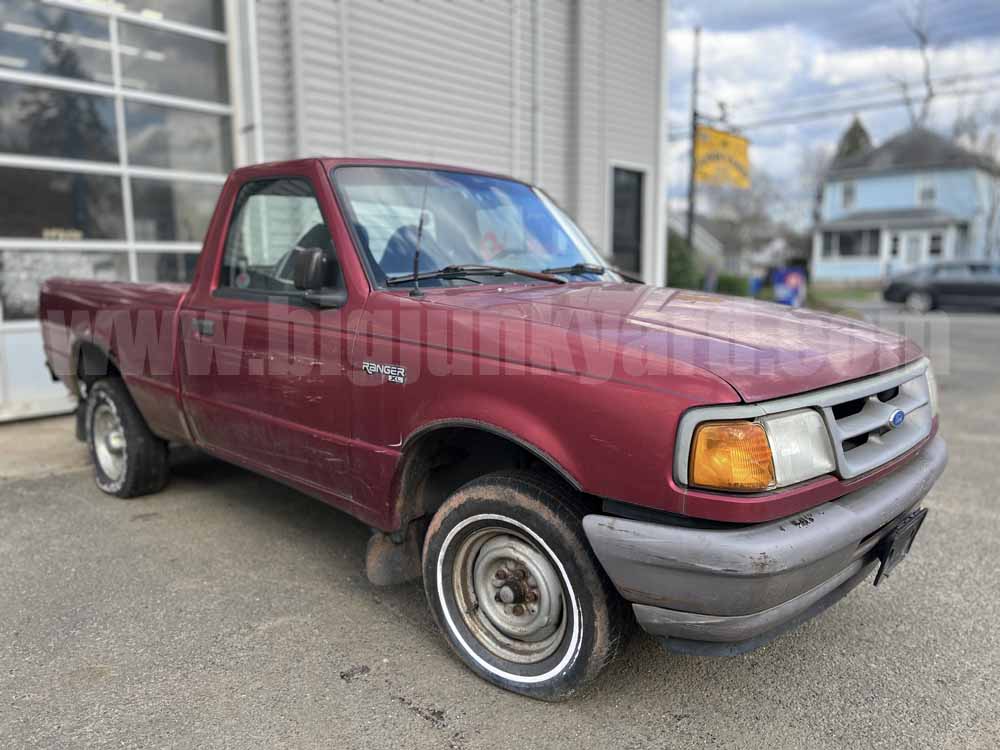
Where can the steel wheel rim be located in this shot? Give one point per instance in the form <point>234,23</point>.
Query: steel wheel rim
<point>918,301</point>
<point>509,595</point>
<point>109,441</point>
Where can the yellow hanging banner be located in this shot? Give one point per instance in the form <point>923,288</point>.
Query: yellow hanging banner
<point>721,158</point>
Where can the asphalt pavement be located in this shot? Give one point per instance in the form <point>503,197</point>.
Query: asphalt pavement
<point>231,612</point>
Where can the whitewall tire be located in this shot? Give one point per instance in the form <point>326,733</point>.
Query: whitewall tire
<point>515,588</point>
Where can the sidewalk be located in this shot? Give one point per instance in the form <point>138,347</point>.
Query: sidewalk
<point>40,447</point>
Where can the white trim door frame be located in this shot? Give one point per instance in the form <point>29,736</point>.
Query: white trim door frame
<point>913,248</point>
<point>646,225</point>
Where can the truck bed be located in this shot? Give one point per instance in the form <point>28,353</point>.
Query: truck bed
<point>135,324</point>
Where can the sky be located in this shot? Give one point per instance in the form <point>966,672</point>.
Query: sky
<point>767,59</point>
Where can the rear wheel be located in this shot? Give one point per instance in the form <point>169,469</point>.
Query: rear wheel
<point>129,460</point>
<point>919,301</point>
<point>515,588</point>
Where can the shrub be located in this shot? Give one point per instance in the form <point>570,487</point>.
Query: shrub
<point>682,270</point>
<point>730,283</point>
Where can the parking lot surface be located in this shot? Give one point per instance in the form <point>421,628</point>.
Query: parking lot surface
<point>229,611</point>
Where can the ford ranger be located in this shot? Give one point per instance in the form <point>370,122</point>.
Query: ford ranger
<point>557,453</point>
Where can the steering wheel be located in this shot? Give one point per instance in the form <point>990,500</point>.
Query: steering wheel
<point>284,269</point>
<point>511,252</point>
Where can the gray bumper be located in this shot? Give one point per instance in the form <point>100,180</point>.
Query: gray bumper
<point>731,590</point>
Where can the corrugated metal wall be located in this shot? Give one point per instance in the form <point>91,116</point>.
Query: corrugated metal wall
<point>453,81</point>
<point>275,64</point>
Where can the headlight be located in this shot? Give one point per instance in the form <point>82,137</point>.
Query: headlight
<point>800,445</point>
<point>932,390</point>
<point>774,451</point>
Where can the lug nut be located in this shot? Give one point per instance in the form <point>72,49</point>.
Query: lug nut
<point>531,596</point>
<point>502,574</point>
<point>518,610</point>
<point>519,574</point>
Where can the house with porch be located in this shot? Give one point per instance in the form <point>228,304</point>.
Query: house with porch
<point>918,198</point>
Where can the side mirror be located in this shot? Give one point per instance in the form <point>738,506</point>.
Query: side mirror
<point>317,274</point>
<point>313,268</point>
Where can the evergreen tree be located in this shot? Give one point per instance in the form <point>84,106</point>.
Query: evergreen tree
<point>854,141</point>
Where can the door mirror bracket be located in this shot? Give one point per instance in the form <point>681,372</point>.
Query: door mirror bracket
<point>326,298</point>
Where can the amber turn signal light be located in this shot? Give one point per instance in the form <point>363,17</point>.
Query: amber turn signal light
<point>731,456</point>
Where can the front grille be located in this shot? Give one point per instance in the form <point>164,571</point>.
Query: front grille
<point>856,415</point>
<point>859,425</point>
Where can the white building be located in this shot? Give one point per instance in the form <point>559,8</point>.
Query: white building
<point>119,121</point>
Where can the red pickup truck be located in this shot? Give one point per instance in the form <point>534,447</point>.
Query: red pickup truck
<point>557,452</point>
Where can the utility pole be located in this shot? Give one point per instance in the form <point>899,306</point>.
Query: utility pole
<point>694,136</point>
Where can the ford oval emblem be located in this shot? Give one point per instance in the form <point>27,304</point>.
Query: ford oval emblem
<point>896,418</point>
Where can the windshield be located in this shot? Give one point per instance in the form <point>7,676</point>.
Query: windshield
<point>461,219</point>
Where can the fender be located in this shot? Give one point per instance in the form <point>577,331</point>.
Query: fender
<point>540,454</point>
<point>78,342</point>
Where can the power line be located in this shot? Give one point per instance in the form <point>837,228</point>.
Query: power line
<point>969,21</point>
<point>832,112</point>
<point>862,90</point>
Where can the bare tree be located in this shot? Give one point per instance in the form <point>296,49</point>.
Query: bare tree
<point>978,130</point>
<point>914,15</point>
<point>814,161</point>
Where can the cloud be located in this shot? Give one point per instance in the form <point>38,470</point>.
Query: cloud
<point>843,21</point>
<point>737,66</point>
<point>768,59</point>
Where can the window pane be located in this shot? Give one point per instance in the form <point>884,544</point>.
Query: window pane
<point>47,122</point>
<point>627,223</point>
<point>42,39</point>
<point>937,244</point>
<point>872,239</point>
<point>270,220</point>
<point>177,139</point>
<point>850,243</point>
<point>167,267</point>
<point>848,194</point>
<point>23,271</point>
<point>169,63</point>
<point>60,205</point>
<point>205,13</point>
<point>172,211</point>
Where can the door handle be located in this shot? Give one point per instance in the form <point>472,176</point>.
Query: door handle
<point>203,327</point>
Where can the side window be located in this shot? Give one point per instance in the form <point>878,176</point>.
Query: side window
<point>271,219</point>
<point>847,195</point>
<point>926,191</point>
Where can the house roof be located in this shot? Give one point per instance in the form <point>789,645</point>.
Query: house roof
<point>900,217</point>
<point>917,148</point>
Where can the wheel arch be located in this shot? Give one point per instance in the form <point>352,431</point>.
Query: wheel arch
<point>91,362</point>
<point>440,456</point>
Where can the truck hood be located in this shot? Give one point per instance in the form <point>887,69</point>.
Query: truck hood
<point>762,350</point>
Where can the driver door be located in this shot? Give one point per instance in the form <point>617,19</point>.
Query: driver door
<point>264,371</point>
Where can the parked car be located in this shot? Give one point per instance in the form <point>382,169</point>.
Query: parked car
<point>442,354</point>
<point>966,284</point>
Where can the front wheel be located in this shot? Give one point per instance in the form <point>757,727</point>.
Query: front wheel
<point>515,588</point>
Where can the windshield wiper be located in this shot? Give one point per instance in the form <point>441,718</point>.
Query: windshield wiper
<point>462,271</point>
<point>578,269</point>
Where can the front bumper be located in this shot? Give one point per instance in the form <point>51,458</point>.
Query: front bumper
<point>727,591</point>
